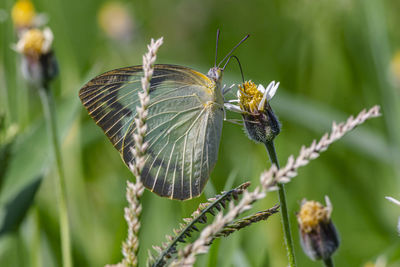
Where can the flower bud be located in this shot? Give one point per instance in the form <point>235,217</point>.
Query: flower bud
<point>318,235</point>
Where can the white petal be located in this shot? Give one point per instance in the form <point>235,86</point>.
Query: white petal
<point>233,108</point>
<point>40,20</point>
<point>270,85</point>
<point>328,205</point>
<point>238,94</point>
<point>48,40</point>
<point>268,93</point>
<point>19,47</point>
<point>395,201</point>
<point>271,90</point>
<point>265,95</point>
<point>262,102</point>
<point>261,88</point>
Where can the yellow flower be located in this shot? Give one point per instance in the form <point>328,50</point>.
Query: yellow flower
<point>249,96</point>
<point>35,42</point>
<point>115,21</point>
<point>311,214</point>
<point>253,98</point>
<point>318,236</point>
<point>259,120</point>
<point>23,13</point>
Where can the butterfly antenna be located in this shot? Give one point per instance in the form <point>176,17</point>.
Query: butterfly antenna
<point>240,65</point>
<point>226,63</point>
<point>233,49</point>
<point>216,49</point>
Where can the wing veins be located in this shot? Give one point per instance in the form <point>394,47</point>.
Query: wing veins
<point>169,161</point>
<point>160,125</point>
<point>183,162</point>
<point>171,98</point>
<point>158,171</point>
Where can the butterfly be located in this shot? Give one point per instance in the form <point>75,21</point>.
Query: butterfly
<point>184,122</point>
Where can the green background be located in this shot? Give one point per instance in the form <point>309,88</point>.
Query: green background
<point>332,58</point>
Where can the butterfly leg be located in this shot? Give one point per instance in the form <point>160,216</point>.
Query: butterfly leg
<point>226,89</point>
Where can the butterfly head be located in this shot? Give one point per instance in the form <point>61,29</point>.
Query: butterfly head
<point>215,74</point>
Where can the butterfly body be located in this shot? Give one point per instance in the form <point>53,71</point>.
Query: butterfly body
<point>184,123</point>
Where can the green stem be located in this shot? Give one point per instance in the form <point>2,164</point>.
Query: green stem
<point>328,262</point>
<point>284,210</point>
<point>49,112</point>
<point>36,255</point>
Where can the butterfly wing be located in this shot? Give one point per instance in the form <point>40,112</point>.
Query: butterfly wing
<point>184,124</point>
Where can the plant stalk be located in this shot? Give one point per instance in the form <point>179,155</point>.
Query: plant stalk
<point>50,116</point>
<point>328,262</point>
<point>284,209</point>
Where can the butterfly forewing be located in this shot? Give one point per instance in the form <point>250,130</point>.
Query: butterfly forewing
<point>184,124</point>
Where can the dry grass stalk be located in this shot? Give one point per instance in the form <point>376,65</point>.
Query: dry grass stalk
<point>134,191</point>
<point>273,176</point>
<point>187,256</point>
<point>268,180</point>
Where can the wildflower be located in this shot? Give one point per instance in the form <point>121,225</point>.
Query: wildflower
<point>318,235</point>
<point>23,14</point>
<point>115,21</point>
<point>25,17</point>
<point>39,65</point>
<point>260,122</point>
<point>35,42</point>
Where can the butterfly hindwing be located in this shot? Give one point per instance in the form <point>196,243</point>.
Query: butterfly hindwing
<point>184,124</point>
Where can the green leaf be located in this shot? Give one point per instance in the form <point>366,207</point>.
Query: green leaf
<point>5,157</point>
<point>16,209</point>
<point>31,157</point>
<point>318,117</point>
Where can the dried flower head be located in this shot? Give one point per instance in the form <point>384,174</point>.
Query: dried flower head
<point>23,14</point>
<point>260,122</point>
<point>319,238</point>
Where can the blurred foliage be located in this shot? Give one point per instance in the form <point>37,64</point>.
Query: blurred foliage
<point>333,58</point>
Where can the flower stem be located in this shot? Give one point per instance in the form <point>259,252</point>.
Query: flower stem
<point>49,112</point>
<point>328,262</point>
<point>284,210</point>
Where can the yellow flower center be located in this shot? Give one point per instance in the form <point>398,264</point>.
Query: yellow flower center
<point>250,97</point>
<point>34,40</point>
<point>23,13</point>
<point>311,214</point>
